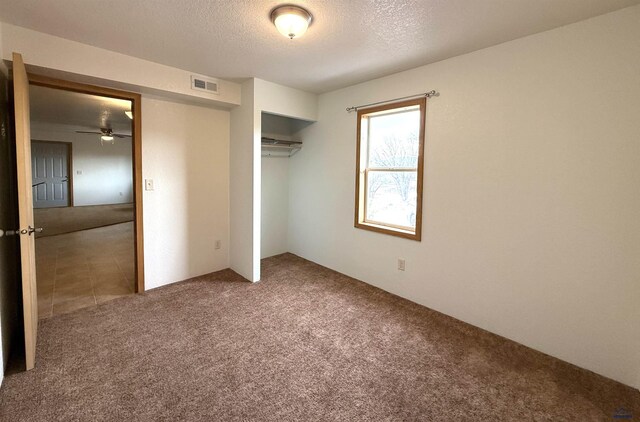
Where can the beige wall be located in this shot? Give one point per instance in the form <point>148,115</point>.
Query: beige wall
<point>531,207</point>
<point>186,152</point>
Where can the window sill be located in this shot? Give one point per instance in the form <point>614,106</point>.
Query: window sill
<point>392,231</point>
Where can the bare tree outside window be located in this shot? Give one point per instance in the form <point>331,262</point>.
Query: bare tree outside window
<point>398,153</point>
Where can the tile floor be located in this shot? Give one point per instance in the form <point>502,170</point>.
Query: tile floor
<point>84,268</point>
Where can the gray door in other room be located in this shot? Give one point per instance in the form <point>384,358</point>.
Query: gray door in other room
<point>50,163</point>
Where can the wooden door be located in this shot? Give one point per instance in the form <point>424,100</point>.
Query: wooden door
<point>50,165</point>
<point>25,208</point>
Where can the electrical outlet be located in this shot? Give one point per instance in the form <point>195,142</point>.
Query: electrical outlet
<point>148,184</point>
<point>79,172</point>
<point>401,264</point>
<point>218,244</point>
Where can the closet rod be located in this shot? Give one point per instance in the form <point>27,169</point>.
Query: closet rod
<point>428,94</point>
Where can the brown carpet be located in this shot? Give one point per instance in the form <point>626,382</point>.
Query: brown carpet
<point>72,219</point>
<point>304,344</point>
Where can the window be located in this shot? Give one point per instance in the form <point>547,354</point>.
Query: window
<point>389,164</point>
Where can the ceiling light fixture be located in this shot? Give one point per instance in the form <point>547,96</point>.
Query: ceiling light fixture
<point>106,138</point>
<point>291,21</point>
<point>129,114</point>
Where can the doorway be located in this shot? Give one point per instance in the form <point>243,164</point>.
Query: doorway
<point>86,167</point>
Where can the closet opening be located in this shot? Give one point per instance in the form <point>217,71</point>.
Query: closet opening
<point>282,144</point>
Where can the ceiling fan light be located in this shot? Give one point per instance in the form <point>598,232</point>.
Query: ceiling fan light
<point>291,21</point>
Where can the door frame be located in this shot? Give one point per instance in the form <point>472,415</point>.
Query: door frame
<point>69,164</point>
<point>136,141</point>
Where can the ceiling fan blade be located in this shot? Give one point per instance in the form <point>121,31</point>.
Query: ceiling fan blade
<point>120,135</point>
<point>93,133</point>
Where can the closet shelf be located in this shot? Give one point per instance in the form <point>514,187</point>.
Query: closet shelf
<point>279,148</point>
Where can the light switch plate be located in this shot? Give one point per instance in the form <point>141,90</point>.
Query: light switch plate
<point>148,184</point>
<point>401,264</point>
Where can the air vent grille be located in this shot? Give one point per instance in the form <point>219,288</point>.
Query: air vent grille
<point>212,86</point>
<point>198,83</point>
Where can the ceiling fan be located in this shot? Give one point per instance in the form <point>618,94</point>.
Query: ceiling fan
<point>107,135</point>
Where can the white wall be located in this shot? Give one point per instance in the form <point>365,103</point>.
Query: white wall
<point>531,206</point>
<point>274,221</point>
<point>84,63</point>
<point>246,165</point>
<point>245,220</point>
<point>275,206</point>
<point>284,101</point>
<point>185,151</point>
<point>107,171</point>
<point>273,185</point>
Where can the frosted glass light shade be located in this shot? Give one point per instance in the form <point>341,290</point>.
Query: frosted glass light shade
<point>291,21</point>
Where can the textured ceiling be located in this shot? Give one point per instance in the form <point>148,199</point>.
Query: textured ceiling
<point>76,111</point>
<point>349,41</point>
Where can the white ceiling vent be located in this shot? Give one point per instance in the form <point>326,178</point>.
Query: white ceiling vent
<point>209,85</point>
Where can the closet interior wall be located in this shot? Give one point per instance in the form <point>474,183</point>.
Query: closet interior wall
<point>275,183</point>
